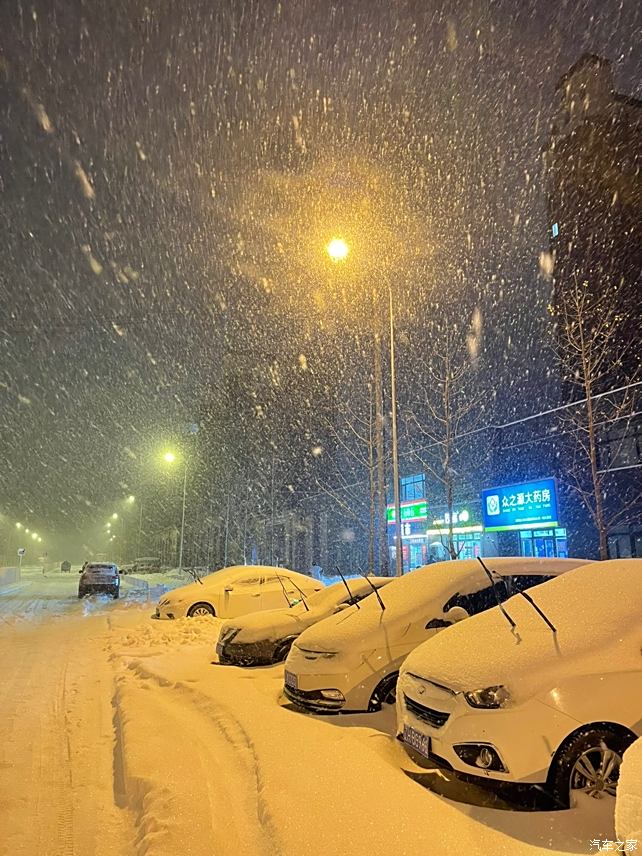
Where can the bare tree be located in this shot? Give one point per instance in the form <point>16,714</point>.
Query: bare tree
<point>593,357</point>
<point>355,437</point>
<point>452,405</point>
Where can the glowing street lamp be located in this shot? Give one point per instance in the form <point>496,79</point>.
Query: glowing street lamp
<point>34,535</point>
<point>26,531</point>
<point>169,457</point>
<point>114,516</point>
<point>39,539</point>
<point>18,525</point>
<point>337,249</point>
<point>131,499</point>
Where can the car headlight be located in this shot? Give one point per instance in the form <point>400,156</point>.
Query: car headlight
<point>228,633</point>
<point>489,697</point>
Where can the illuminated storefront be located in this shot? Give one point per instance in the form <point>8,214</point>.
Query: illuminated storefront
<point>425,532</point>
<point>531,511</point>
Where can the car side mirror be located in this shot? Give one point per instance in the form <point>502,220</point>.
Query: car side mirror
<point>457,613</point>
<point>228,588</point>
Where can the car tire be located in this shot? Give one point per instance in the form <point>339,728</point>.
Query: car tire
<point>282,651</point>
<point>115,594</point>
<point>384,692</point>
<point>581,762</point>
<point>200,608</point>
<point>81,593</point>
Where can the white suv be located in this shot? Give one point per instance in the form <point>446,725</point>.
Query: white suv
<point>99,577</point>
<point>546,691</point>
<point>350,662</point>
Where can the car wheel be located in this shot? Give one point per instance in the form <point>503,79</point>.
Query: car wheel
<point>200,609</point>
<point>588,763</point>
<point>384,693</point>
<point>115,594</point>
<point>81,593</point>
<point>282,651</point>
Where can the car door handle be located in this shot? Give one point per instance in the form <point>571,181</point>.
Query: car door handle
<point>256,594</point>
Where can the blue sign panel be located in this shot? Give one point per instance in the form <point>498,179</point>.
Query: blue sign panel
<point>520,506</point>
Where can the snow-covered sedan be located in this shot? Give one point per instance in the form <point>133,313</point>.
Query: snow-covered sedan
<point>266,637</point>
<point>237,591</point>
<point>350,662</point>
<point>546,690</point>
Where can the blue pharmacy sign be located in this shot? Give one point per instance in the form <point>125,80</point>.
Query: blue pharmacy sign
<point>520,506</point>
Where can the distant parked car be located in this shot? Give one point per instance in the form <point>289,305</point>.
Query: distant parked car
<point>548,692</point>
<point>99,577</point>
<point>266,637</point>
<point>146,565</point>
<point>65,567</point>
<point>350,662</point>
<point>237,591</point>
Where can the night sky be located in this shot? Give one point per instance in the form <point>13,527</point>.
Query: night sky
<point>169,173</point>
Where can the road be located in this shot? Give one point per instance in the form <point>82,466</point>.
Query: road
<point>119,737</point>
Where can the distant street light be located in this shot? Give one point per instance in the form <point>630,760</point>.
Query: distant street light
<point>170,458</point>
<point>114,516</point>
<point>26,531</point>
<point>338,251</point>
<point>131,499</point>
<point>34,535</point>
<point>39,539</point>
<point>18,525</point>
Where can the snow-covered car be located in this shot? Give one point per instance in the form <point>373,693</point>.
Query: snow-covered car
<point>237,591</point>
<point>266,637</point>
<point>350,662</point>
<point>96,577</point>
<point>546,691</point>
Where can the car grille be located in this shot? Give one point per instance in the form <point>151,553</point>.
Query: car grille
<point>436,718</point>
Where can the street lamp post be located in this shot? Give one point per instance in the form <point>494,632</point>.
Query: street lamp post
<point>338,250</point>
<point>170,457</point>
<point>395,444</point>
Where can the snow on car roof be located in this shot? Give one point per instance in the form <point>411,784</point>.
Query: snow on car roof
<point>596,612</point>
<point>408,597</point>
<point>235,571</point>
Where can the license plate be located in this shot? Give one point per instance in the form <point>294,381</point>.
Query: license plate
<point>219,649</point>
<point>290,680</point>
<point>418,741</point>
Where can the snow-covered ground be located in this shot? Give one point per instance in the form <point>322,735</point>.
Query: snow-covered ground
<point>119,736</point>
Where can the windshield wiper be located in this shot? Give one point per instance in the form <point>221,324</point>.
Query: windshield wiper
<point>538,610</point>
<point>529,599</point>
<point>285,594</point>
<point>347,586</point>
<point>375,590</point>
<point>499,603</point>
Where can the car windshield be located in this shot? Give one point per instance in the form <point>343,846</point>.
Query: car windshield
<point>297,290</point>
<point>327,598</point>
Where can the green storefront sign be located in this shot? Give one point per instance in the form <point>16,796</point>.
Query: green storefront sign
<point>409,511</point>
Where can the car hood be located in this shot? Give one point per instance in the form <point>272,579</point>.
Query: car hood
<point>192,591</point>
<point>272,624</point>
<point>595,610</point>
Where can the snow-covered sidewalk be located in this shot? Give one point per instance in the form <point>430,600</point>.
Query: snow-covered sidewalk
<point>120,737</point>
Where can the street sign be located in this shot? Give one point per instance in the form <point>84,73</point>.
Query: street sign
<point>21,551</point>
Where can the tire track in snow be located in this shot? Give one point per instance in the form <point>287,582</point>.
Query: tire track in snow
<point>237,818</point>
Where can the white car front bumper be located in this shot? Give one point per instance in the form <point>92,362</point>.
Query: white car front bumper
<point>520,740</point>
